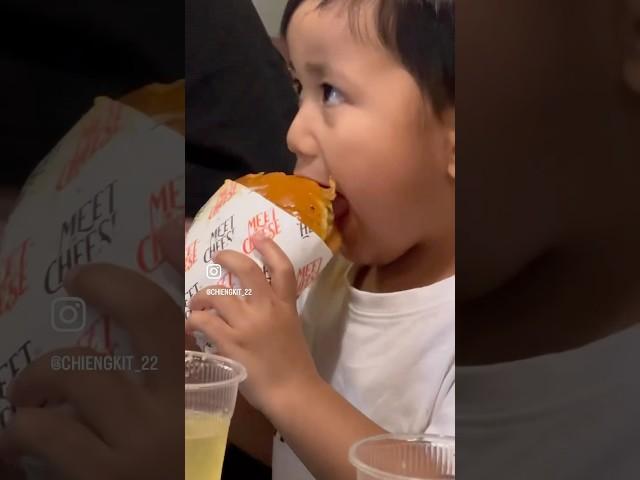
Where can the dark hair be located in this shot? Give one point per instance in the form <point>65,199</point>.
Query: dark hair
<point>420,33</point>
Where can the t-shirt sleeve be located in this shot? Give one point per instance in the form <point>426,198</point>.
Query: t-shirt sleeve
<point>443,420</point>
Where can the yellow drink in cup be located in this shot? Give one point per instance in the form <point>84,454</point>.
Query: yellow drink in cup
<point>211,387</point>
<point>205,441</point>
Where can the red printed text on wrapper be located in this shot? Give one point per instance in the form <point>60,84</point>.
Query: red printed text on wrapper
<point>266,222</point>
<point>97,132</point>
<point>190,255</point>
<point>308,273</point>
<point>13,277</point>
<point>164,205</point>
<point>227,191</point>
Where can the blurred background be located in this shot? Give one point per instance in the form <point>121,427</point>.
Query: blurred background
<point>270,12</point>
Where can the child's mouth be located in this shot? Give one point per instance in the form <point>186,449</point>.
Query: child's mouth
<point>340,209</point>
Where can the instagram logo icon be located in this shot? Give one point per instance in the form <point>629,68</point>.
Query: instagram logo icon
<point>214,271</point>
<point>68,314</point>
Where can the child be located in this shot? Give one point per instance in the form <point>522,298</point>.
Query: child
<point>376,114</point>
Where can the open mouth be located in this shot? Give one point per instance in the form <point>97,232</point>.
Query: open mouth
<point>340,208</point>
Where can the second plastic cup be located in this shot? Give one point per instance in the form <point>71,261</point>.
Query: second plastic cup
<point>210,391</point>
<point>404,457</point>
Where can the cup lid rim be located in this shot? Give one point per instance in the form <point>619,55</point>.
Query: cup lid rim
<point>381,475</point>
<point>236,366</point>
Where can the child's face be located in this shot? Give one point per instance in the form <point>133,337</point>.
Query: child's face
<point>363,122</point>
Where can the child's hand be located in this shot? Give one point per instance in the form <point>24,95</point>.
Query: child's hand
<point>262,331</point>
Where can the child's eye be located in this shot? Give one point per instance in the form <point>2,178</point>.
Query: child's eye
<point>331,95</point>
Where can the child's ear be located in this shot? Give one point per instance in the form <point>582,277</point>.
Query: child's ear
<point>449,117</point>
<point>451,167</point>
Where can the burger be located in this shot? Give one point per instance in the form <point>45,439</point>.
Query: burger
<point>165,103</point>
<point>302,197</point>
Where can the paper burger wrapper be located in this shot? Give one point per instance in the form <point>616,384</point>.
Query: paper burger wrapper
<point>99,196</point>
<point>228,221</point>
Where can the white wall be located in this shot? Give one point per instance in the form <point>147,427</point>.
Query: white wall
<point>271,12</point>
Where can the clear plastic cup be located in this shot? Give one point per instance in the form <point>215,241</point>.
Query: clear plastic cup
<point>210,391</point>
<point>404,457</point>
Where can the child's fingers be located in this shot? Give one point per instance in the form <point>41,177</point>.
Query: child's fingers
<point>60,440</point>
<point>228,307</point>
<point>247,271</point>
<point>283,279</point>
<point>214,328</point>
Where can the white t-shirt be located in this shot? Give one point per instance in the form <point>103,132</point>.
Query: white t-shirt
<point>573,415</point>
<point>391,355</point>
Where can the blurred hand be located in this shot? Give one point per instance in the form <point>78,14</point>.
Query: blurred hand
<point>262,331</point>
<point>113,425</point>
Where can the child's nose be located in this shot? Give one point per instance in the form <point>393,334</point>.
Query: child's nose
<point>302,142</point>
<point>300,139</point>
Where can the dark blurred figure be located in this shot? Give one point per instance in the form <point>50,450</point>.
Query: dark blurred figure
<point>548,292</point>
<point>240,98</point>
<point>58,57</point>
